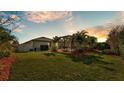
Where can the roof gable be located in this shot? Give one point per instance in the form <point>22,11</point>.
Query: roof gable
<point>45,39</point>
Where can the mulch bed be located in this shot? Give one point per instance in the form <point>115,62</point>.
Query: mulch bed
<point>6,63</point>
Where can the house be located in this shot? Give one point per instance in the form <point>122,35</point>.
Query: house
<point>37,44</point>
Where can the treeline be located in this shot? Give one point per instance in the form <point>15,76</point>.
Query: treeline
<point>81,41</point>
<point>8,42</point>
<point>78,41</point>
<point>116,40</point>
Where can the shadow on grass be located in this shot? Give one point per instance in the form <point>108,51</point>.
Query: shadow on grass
<point>92,59</point>
<point>89,59</point>
<point>49,54</point>
<point>108,68</point>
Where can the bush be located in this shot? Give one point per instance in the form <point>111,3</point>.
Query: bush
<point>78,53</point>
<point>108,51</point>
<point>54,48</point>
<point>4,53</point>
<point>102,46</point>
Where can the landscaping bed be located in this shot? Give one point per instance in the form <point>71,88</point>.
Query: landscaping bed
<point>5,64</point>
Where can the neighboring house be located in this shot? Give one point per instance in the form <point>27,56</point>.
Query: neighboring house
<point>37,44</point>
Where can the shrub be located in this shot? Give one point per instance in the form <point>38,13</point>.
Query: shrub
<point>102,46</point>
<point>108,51</point>
<point>78,53</point>
<point>4,53</point>
<point>54,48</point>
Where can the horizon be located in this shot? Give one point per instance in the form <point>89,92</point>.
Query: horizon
<point>60,23</point>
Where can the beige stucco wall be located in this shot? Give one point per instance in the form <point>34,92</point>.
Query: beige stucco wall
<point>26,46</point>
<point>31,45</point>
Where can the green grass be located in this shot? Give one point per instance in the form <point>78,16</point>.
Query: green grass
<point>55,66</point>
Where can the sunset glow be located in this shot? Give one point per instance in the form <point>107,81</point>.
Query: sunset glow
<point>60,23</point>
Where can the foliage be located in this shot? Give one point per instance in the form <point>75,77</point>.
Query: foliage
<point>108,51</point>
<point>121,42</point>
<point>91,41</point>
<point>7,40</point>
<point>75,43</point>
<point>53,48</point>
<point>101,46</point>
<point>116,40</point>
<point>8,23</point>
<point>80,39</point>
<point>4,53</point>
<point>113,40</point>
<point>56,39</point>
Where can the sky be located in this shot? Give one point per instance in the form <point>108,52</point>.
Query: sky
<point>35,24</point>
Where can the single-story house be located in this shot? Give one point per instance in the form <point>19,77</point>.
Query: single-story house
<point>37,44</point>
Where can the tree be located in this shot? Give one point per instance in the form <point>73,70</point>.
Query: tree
<point>55,43</point>
<point>116,39</point>
<point>102,46</point>
<point>80,39</point>
<point>10,21</point>
<point>7,41</point>
<point>113,39</point>
<point>121,41</point>
<point>72,41</point>
<point>66,41</point>
<point>91,41</point>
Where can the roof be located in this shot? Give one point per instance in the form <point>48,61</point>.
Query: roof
<point>45,39</point>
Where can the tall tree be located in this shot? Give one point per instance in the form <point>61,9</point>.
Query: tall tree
<point>80,39</point>
<point>7,40</point>
<point>91,41</point>
<point>55,41</point>
<point>113,39</point>
<point>116,40</point>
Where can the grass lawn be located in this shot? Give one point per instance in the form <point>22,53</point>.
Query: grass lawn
<point>55,66</point>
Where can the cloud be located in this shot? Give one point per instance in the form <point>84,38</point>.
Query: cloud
<point>118,20</point>
<point>73,24</point>
<point>122,14</point>
<point>19,28</point>
<point>13,16</point>
<point>69,25</point>
<point>101,32</point>
<point>2,14</point>
<point>42,17</point>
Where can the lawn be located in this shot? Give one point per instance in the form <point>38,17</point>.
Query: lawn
<point>54,66</point>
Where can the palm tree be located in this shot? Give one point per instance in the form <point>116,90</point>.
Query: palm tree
<point>72,41</point>
<point>80,38</point>
<point>91,41</point>
<point>55,42</point>
<point>56,39</point>
<point>66,40</point>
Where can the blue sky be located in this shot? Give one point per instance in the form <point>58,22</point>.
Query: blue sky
<point>49,24</point>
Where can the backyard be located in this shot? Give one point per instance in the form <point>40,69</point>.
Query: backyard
<point>40,66</point>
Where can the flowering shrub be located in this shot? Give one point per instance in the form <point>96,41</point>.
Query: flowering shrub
<point>5,64</point>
